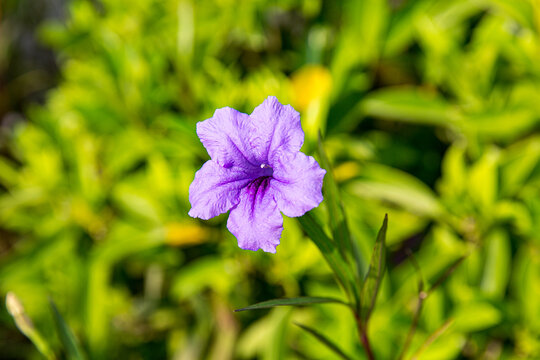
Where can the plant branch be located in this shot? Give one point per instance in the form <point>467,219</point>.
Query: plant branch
<point>432,338</point>
<point>423,295</point>
<point>446,274</point>
<point>367,346</point>
<point>362,333</point>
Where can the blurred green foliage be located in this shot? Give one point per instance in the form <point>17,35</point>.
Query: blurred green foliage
<point>431,113</point>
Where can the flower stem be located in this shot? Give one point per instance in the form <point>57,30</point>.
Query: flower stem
<point>367,346</point>
<point>362,333</point>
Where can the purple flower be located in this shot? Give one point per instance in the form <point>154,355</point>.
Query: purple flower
<point>256,170</point>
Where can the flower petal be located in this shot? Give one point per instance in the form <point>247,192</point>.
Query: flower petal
<point>226,138</point>
<point>297,183</point>
<point>256,221</point>
<point>276,127</point>
<point>215,189</point>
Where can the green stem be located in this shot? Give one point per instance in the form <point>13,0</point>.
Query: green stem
<point>422,296</point>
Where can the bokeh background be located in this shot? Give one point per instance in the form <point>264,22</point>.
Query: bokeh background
<point>430,111</point>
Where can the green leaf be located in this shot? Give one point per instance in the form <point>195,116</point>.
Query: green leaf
<point>498,261</point>
<point>66,335</point>
<point>338,220</point>
<point>401,29</point>
<point>370,287</point>
<point>448,346</point>
<point>306,300</point>
<point>518,163</point>
<point>483,180</point>
<point>410,105</point>
<point>336,212</point>
<point>8,173</point>
<point>324,340</point>
<point>16,309</point>
<point>494,124</point>
<point>364,22</point>
<point>521,11</point>
<point>454,170</point>
<point>398,187</point>
<point>476,316</point>
<point>329,251</point>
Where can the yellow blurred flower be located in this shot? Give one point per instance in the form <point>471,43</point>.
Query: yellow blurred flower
<point>311,87</point>
<point>346,171</point>
<point>310,83</point>
<point>181,234</point>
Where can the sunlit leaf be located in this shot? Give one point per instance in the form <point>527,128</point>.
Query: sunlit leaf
<point>476,316</point>
<point>397,187</point>
<point>518,163</point>
<point>363,21</point>
<point>498,261</point>
<point>519,10</point>
<point>448,346</point>
<point>410,105</point>
<point>454,171</point>
<point>26,326</point>
<point>483,180</point>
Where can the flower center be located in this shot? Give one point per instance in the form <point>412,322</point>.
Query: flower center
<point>266,170</point>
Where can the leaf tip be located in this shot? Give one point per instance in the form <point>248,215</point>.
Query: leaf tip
<point>384,225</point>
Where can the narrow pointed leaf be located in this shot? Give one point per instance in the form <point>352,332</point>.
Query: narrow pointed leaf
<point>299,301</point>
<point>370,287</point>
<point>324,340</point>
<point>338,221</point>
<point>16,309</point>
<point>329,251</point>
<point>66,336</point>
